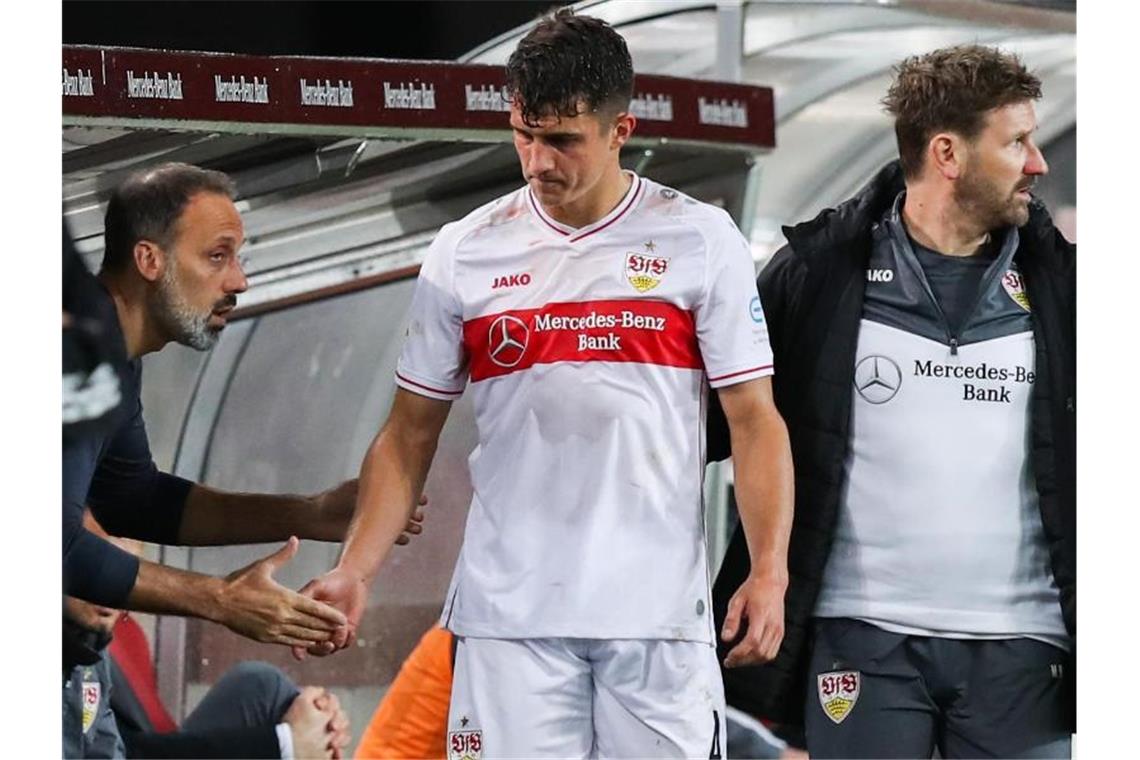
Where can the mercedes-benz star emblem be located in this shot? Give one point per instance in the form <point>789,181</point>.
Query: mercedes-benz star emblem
<point>877,379</point>
<point>506,340</point>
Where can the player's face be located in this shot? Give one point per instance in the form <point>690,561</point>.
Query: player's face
<point>1003,164</point>
<point>203,275</point>
<point>563,158</point>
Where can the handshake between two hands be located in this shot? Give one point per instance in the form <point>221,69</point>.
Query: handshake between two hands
<point>319,619</point>
<point>348,593</point>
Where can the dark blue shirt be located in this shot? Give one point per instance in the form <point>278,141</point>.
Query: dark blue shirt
<point>114,473</point>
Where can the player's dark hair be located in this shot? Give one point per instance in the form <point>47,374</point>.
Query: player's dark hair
<point>950,90</point>
<point>147,205</point>
<point>568,65</point>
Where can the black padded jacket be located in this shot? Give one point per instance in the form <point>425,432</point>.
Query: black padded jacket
<point>812,291</point>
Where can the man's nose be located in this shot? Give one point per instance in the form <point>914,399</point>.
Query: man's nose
<point>236,281</point>
<point>540,160</point>
<point>1036,164</point>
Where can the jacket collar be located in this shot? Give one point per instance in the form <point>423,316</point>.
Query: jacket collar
<point>851,221</point>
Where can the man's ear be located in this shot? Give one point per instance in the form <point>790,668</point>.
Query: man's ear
<point>150,260</point>
<point>623,130</point>
<point>948,153</point>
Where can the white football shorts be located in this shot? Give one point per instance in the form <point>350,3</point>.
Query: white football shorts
<point>579,698</point>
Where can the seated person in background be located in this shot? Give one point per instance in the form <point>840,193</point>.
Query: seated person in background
<point>254,711</point>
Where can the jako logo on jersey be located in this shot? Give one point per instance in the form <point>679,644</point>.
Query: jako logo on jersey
<point>507,339</point>
<point>645,272</point>
<point>511,280</point>
<point>1015,287</point>
<point>880,275</point>
<point>838,693</point>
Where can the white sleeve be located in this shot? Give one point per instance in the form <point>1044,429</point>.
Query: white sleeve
<point>731,330</point>
<point>284,740</point>
<point>433,362</point>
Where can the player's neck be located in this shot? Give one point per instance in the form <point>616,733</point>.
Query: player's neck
<point>936,222</point>
<point>603,198</point>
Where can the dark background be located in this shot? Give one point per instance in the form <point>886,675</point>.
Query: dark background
<point>427,29</point>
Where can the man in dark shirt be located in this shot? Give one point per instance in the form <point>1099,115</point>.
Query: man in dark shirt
<point>171,274</point>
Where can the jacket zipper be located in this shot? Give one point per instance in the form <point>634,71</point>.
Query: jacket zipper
<point>984,286</point>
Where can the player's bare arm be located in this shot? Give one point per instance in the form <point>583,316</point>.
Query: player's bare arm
<point>392,476</point>
<point>762,464</point>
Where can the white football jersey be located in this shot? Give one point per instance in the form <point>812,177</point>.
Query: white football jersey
<point>588,352</point>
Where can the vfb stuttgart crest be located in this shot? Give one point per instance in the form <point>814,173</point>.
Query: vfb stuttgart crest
<point>464,745</point>
<point>1015,287</point>
<point>645,272</point>
<point>91,694</point>
<point>838,693</point>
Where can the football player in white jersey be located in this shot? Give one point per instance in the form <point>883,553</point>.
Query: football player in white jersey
<point>588,312</point>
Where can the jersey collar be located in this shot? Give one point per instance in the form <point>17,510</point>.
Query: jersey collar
<point>574,234</point>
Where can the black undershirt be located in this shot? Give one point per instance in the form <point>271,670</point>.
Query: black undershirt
<point>955,280</point>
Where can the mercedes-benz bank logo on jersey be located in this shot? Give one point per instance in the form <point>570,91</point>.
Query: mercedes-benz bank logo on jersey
<point>877,379</point>
<point>507,340</point>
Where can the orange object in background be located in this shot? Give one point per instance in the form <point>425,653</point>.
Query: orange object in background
<point>411,720</point>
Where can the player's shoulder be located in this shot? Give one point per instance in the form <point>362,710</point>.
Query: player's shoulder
<point>490,219</point>
<point>668,203</point>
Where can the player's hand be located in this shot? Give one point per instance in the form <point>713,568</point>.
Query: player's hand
<point>346,592</point>
<point>338,725</point>
<point>415,523</point>
<point>309,721</point>
<point>336,506</point>
<point>760,602</point>
<point>254,605</point>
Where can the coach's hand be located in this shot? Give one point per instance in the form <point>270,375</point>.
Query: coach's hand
<point>344,591</point>
<point>760,602</point>
<point>415,524</point>
<point>253,604</point>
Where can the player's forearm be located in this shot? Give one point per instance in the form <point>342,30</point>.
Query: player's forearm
<point>169,591</point>
<point>392,476</point>
<point>212,517</point>
<point>762,467</point>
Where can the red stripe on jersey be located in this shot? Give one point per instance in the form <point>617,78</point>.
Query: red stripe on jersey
<point>741,372</point>
<point>641,331</point>
<point>428,387</point>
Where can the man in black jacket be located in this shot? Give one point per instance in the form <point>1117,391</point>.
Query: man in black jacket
<point>253,711</point>
<point>925,334</point>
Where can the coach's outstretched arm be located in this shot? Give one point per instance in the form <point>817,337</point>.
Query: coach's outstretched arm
<point>391,478</point>
<point>762,467</point>
<point>248,601</point>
